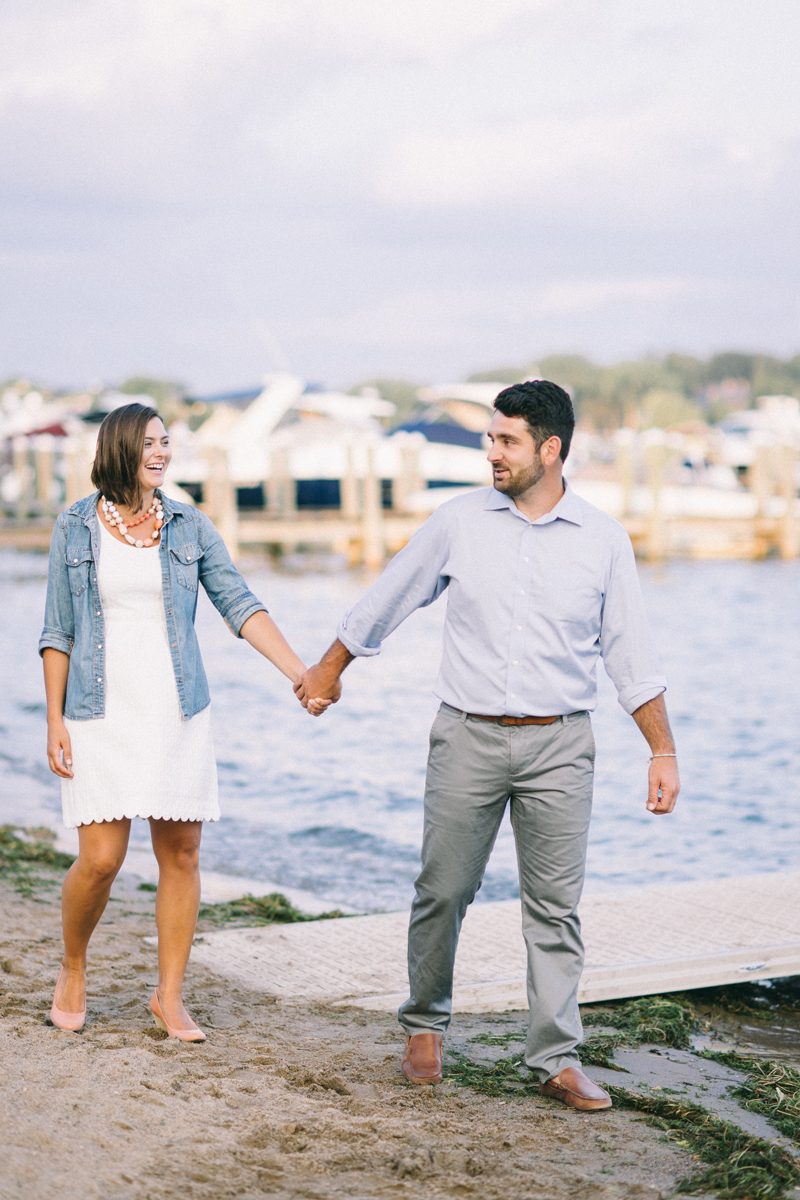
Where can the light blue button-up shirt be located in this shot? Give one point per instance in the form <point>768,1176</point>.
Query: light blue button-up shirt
<point>531,606</point>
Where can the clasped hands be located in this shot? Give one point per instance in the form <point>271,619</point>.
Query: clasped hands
<point>320,686</point>
<point>317,689</point>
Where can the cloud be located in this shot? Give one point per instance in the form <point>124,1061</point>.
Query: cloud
<point>474,175</point>
<point>496,165</point>
<point>592,294</point>
<point>445,104</point>
<point>438,315</point>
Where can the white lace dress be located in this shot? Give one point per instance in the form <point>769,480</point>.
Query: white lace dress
<point>142,759</point>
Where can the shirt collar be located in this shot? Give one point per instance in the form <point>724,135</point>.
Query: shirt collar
<point>567,509</point>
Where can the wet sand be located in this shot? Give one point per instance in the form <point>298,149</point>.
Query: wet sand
<point>283,1100</point>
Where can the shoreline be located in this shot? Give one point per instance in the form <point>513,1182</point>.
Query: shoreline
<point>285,1099</point>
<point>292,1098</point>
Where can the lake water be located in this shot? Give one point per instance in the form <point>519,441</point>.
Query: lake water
<point>334,805</point>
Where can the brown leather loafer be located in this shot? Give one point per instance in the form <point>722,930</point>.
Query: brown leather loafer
<point>422,1058</point>
<point>574,1088</point>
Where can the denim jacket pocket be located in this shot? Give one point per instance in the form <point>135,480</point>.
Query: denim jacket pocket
<point>79,561</point>
<point>185,560</point>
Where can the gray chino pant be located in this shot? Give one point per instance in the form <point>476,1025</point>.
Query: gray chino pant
<point>474,768</point>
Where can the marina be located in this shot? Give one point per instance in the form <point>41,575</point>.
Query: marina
<point>290,467</point>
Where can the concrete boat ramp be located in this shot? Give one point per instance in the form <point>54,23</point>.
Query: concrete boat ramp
<point>639,941</point>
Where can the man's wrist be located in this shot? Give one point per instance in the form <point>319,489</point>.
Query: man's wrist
<point>335,659</point>
<point>328,677</point>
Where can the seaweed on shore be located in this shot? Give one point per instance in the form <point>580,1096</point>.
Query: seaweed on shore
<point>657,1019</point>
<point>598,1050</point>
<point>740,1166</point>
<point>500,1039</point>
<point>23,850</point>
<point>771,1088</point>
<point>274,909</point>
<point>500,1078</point>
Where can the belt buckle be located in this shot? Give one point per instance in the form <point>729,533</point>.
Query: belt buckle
<point>504,720</point>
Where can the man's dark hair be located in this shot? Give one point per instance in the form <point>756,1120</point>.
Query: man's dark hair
<point>546,408</point>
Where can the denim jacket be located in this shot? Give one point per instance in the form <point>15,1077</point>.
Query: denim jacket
<point>191,550</point>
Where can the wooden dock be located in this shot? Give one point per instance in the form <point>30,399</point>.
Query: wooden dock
<point>639,941</point>
<point>761,520</point>
<point>684,537</point>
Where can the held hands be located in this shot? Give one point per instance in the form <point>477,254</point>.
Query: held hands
<point>59,750</point>
<point>663,785</point>
<point>317,689</point>
<point>317,706</point>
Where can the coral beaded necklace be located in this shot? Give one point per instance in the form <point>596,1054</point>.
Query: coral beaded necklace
<point>111,514</point>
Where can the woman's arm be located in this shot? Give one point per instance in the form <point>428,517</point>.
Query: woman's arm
<point>56,670</point>
<point>264,636</point>
<point>242,612</point>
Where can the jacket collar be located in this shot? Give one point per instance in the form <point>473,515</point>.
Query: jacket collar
<point>86,508</point>
<point>567,509</point>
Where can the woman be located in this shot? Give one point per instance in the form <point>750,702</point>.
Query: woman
<point>128,722</point>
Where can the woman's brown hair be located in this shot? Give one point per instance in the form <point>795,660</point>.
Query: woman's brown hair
<point>120,443</point>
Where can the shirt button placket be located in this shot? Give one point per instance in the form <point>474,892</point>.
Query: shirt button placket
<point>518,636</point>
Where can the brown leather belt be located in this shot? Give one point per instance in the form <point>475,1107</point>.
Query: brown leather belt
<point>515,720</point>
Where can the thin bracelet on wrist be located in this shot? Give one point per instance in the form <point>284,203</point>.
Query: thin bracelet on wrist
<point>652,756</point>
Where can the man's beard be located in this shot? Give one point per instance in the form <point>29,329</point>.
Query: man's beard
<point>517,484</point>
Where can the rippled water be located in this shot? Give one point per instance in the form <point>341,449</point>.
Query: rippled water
<point>335,805</point>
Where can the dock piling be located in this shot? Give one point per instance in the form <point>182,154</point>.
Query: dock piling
<point>220,499</point>
<point>348,485</point>
<point>656,455</point>
<point>788,536</point>
<point>374,542</point>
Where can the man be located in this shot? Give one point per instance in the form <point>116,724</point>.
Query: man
<point>540,585</point>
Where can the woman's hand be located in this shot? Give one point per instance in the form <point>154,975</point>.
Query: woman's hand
<point>58,745</point>
<point>318,706</point>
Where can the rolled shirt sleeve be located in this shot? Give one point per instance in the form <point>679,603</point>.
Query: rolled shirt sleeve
<point>414,578</point>
<point>626,643</point>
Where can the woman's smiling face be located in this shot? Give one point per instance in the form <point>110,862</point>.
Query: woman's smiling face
<point>155,455</point>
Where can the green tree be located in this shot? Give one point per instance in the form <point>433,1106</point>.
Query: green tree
<point>661,408</point>
<point>507,375</point>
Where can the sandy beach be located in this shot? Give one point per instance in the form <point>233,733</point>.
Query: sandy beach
<point>281,1100</point>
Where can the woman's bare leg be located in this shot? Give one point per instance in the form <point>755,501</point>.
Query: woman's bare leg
<point>84,896</point>
<point>177,848</point>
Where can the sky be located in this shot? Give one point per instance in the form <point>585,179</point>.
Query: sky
<point>210,190</point>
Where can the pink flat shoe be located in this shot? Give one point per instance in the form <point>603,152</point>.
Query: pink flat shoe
<point>185,1035</point>
<point>72,1022</point>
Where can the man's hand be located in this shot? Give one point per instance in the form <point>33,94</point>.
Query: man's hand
<point>319,683</point>
<point>663,785</point>
<point>322,681</point>
<point>663,781</point>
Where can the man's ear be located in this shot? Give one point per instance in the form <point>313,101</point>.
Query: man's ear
<point>550,450</point>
